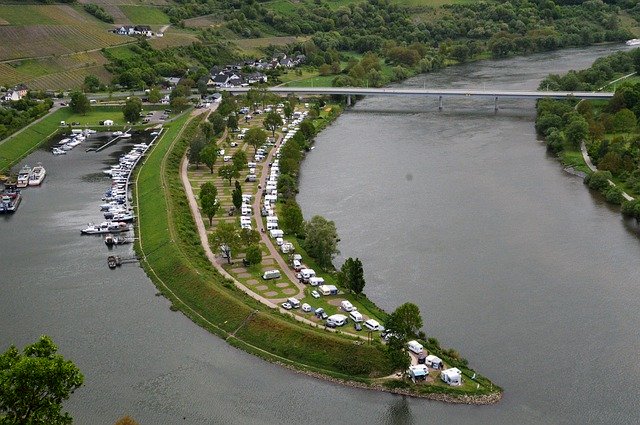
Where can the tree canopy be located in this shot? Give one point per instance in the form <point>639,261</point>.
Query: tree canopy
<point>208,155</point>
<point>208,200</point>
<point>79,103</point>
<point>321,241</point>
<point>405,321</point>
<point>255,137</point>
<point>272,121</point>
<point>34,383</point>
<point>132,108</point>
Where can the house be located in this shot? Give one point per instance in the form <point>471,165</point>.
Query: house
<point>16,93</point>
<point>256,77</point>
<point>143,30</point>
<point>171,81</point>
<point>287,62</point>
<point>124,30</point>
<point>452,376</point>
<point>418,372</point>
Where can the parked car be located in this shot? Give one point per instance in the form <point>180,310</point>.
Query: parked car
<point>315,294</point>
<point>286,306</point>
<point>320,313</point>
<point>306,308</point>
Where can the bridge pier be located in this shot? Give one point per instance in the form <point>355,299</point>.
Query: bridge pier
<point>495,104</point>
<point>440,103</point>
<point>348,100</point>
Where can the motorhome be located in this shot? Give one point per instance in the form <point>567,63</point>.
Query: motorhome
<point>306,274</point>
<point>356,316</point>
<point>328,290</point>
<point>272,225</point>
<point>276,233</point>
<point>346,305</point>
<point>316,281</point>
<point>452,376</point>
<point>414,347</point>
<point>372,325</point>
<point>297,265</point>
<point>337,319</point>
<point>246,210</point>
<point>294,302</point>
<point>271,274</point>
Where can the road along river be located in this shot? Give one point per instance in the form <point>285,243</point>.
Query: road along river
<point>512,262</point>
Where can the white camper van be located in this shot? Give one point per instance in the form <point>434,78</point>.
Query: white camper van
<point>337,319</point>
<point>271,274</point>
<point>356,316</point>
<point>415,347</point>
<point>346,305</point>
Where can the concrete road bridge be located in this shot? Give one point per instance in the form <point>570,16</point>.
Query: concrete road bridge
<point>494,94</point>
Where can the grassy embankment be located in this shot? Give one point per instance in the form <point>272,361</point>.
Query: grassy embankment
<point>173,258</point>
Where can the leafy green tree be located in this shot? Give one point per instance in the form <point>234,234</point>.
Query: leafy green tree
<point>555,141</point>
<point>236,196</point>
<point>226,238</point>
<point>79,103</point>
<point>207,130</point>
<point>218,122</point>
<point>287,186</point>
<point>195,147</point>
<point>91,83</point>
<point>154,95</point>
<point>288,110</point>
<point>208,200</point>
<point>271,122</point>
<point>405,321</point>
<point>624,121</point>
<point>228,172</point>
<point>291,218</point>
<point>307,129</point>
<point>577,130</point>
<point>397,355</point>
<point>253,254</point>
<point>208,155</point>
<point>351,275</point>
<point>131,110</point>
<point>239,160</point>
<point>179,103</point>
<point>34,383</point>
<point>249,237</point>
<point>232,122</point>
<point>321,241</point>
<point>255,137</point>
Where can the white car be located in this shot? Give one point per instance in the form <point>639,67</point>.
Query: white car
<point>286,306</point>
<point>315,294</point>
<point>306,308</point>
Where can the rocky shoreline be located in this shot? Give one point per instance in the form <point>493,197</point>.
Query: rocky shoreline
<point>477,400</point>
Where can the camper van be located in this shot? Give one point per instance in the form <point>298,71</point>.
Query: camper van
<point>433,361</point>
<point>337,319</point>
<point>414,347</point>
<point>276,233</point>
<point>246,210</point>
<point>271,274</point>
<point>294,302</point>
<point>272,219</point>
<point>328,290</point>
<point>286,247</point>
<point>272,225</point>
<point>372,325</point>
<point>452,376</point>
<point>346,306</point>
<point>306,274</point>
<point>356,316</point>
<point>316,281</point>
<point>297,265</point>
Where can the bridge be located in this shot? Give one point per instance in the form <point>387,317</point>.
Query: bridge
<point>424,92</point>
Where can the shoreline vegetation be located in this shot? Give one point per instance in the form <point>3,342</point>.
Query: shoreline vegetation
<point>174,259</point>
<point>599,140</point>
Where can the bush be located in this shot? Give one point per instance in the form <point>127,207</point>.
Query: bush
<point>613,195</point>
<point>598,180</point>
<point>253,255</point>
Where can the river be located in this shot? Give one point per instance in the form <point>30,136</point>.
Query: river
<point>512,262</point>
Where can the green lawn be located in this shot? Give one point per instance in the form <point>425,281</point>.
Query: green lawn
<point>122,52</point>
<point>145,15</point>
<point>20,145</point>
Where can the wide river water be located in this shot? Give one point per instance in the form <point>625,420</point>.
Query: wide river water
<point>511,260</point>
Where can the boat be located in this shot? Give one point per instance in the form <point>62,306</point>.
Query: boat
<point>64,141</point>
<point>58,151</point>
<point>10,199</point>
<point>37,175</point>
<point>124,217</point>
<point>114,261</point>
<point>126,135</point>
<point>117,133</point>
<point>111,240</point>
<point>633,42</point>
<point>104,228</point>
<point>23,176</point>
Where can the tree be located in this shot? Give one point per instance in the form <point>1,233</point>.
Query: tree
<point>195,147</point>
<point>154,95</point>
<point>255,137</point>
<point>287,186</point>
<point>624,121</point>
<point>226,238</point>
<point>321,241</point>
<point>271,122</point>
<point>34,383</point>
<point>236,196</point>
<point>307,129</point>
<point>239,160</point>
<point>179,103</point>
<point>232,122</point>
<point>253,254</point>
<point>91,83</point>
<point>79,103</point>
<point>228,172</point>
<point>249,237</point>
<point>288,110</point>
<point>218,122</point>
<point>208,200</point>
<point>207,130</point>
<point>208,155</point>
<point>405,321</point>
<point>398,356</point>
<point>351,275</point>
<point>577,130</point>
<point>131,110</point>
<point>291,218</point>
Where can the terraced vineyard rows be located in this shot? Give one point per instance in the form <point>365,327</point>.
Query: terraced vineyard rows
<point>72,79</point>
<point>44,40</point>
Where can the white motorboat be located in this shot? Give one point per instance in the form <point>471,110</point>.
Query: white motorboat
<point>58,151</point>
<point>37,175</point>
<point>126,135</point>
<point>117,133</point>
<point>23,176</point>
<point>63,141</point>
<point>633,42</point>
<point>105,227</point>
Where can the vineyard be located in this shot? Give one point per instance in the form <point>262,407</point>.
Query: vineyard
<point>173,39</point>
<point>69,80</point>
